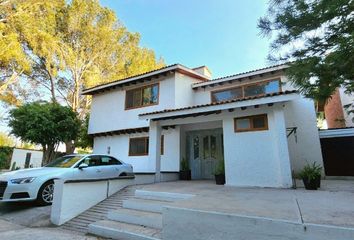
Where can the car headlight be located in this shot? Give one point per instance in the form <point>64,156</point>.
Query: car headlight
<point>22,180</point>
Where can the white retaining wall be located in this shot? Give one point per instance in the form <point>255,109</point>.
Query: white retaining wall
<point>73,198</point>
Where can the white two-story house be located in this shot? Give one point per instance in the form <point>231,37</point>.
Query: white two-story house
<point>255,122</point>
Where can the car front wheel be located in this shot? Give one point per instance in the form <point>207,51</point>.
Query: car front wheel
<point>45,194</point>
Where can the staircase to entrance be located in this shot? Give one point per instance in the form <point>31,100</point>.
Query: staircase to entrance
<point>140,216</point>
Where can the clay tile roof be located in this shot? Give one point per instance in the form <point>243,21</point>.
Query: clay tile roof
<point>235,76</point>
<point>146,75</point>
<point>220,103</point>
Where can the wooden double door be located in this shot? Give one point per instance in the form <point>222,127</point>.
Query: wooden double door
<point>205,151</point>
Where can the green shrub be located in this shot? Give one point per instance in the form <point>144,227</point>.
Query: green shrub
<point>5,157</point>
<point>184,165</point>
<point>220,168</point>
<point>311,171</point>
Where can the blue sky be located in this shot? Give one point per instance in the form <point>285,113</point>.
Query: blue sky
<point>221,34</point>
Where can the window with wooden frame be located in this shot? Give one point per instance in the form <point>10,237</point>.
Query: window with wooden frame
<point>140,146</point>
<point>142,97</point>
<point>251,123</point>
<point>249,90</point>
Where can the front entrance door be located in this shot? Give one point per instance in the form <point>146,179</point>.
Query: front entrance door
<point>206,149</point>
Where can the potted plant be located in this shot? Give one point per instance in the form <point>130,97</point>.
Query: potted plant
<point>220,173</point>
<point>311,176</point>
<point>185,172</point>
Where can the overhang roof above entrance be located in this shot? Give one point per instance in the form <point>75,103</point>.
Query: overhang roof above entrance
<point>217,107</point>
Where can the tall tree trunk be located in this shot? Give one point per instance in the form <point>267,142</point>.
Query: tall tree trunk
<point>48,154</point>
<point>52,90</point>
<point>70,147</point>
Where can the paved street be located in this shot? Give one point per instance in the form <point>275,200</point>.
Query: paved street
<point>26,220</point>
<point>26,214</point>
<point>14,231</point>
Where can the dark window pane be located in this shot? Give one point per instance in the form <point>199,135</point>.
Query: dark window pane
<point>93,161</point>
<point>213,146</point>
<point>254,90</point>
<point>138,146</point>
<point>162,144</point>
<point>243,123</point>
<point>142,96</point>
<point>133,98</point>
<point>206,150</point>
<point>227,95</point>
<point>105,160</point>
<point>196,147</point>
<point>259,122</point>
<point>129,99</point>
<point>137,98</point>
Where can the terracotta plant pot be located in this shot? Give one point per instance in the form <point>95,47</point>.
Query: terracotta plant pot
<point>220,179</point>
<point>185,175</point>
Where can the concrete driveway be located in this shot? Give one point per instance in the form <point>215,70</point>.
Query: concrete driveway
<point>27,221</point>
<point>26,214</point>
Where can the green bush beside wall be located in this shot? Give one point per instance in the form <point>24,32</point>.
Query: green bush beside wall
<point>5,156</point>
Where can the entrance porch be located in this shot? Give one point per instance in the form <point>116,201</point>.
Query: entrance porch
<point>256,155</point>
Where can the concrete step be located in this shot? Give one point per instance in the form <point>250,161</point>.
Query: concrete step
<point>147,205</point>
<point>123,231</point>
<point>163,196</point>
<point>138,217</point>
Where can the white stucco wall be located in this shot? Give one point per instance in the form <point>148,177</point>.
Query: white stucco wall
<point>19,156</point>
<point>306,148</point>
<point>119,148</point>
<point>258,158</point>
<point>184,95</point>
<point>108,109</point>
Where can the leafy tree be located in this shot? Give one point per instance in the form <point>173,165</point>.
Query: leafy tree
<point>5,156</point>
<point>6,140</point>
<point>318,37</point>
<point>45,124</point>
<point>27,42</point>
<point>65,46</point>
<point>83,139</point>
<point>61,47</point>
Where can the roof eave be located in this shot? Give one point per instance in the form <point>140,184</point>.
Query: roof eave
<point>175,67</point>
<point>226,106</point>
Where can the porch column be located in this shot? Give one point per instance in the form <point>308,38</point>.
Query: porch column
<point>281,145</point>
<point>155,148</point>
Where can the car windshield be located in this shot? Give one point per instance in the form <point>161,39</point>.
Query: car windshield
<point>64,162</point>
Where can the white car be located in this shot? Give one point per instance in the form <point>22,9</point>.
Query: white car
<point>38,183</point>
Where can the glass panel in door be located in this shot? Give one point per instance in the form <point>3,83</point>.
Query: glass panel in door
<point>195,160</point>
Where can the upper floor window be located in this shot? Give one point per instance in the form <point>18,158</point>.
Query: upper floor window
<point>246,91</point>
<point>141,97</point>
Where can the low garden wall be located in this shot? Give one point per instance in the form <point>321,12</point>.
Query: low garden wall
<point>72,197</point>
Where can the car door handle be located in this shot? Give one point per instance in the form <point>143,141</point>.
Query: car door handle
<point>98,170</point>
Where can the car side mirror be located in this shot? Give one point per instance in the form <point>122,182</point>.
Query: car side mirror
<point>83,165</point>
